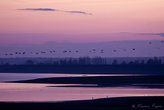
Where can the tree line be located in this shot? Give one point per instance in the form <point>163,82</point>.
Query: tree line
<point>96,61</point>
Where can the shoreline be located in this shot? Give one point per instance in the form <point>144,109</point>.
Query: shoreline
<point>152,81</point>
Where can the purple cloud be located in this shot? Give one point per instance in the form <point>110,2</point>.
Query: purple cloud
<point>159,34</point>
<point>51,9</point>
<point>39,9</point>
<point>80,12</point>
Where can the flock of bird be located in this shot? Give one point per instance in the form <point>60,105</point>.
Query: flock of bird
<point>64,51</point>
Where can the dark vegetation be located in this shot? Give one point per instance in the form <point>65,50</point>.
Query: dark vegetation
<point>96,61</point>
<point>87,65</point>
<point>123,103</point>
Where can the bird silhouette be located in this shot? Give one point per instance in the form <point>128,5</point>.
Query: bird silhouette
<point>162,41</point>
<point>64,51</point>
<point>94,49</point>
<point>102,51</point>
<point>43,52</point>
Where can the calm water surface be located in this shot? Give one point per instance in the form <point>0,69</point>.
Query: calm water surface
<point>41,92</point>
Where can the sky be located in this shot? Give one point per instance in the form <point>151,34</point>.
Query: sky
<point>40,21</point>
<point>45,25</point>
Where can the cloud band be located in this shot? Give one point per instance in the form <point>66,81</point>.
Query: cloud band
<point>51,9</point>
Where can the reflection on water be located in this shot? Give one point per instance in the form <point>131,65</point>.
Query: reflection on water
<point>42,92</point>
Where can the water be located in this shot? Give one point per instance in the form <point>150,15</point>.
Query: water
<point>41,92</point>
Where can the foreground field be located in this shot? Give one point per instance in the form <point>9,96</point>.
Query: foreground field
<point>122,103</point>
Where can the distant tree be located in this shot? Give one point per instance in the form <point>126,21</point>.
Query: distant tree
<point>56,63</point>
<point>75,62</point>
<point>114,62</point>
<point>70,62</point>
<point>29,62</point>
<point>98,60</point>
<point>63,62</point>
<point>104,61</point>
<point>123,63</point>
<point>136,62</point>
<point>142,62</point>
<point>157,60</point>
<point>160,61</point>
<point>150,61</point>
<point>131,63</point>
<point>84,60</point>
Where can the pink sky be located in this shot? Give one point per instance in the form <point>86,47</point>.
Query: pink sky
<point>108,17</point>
